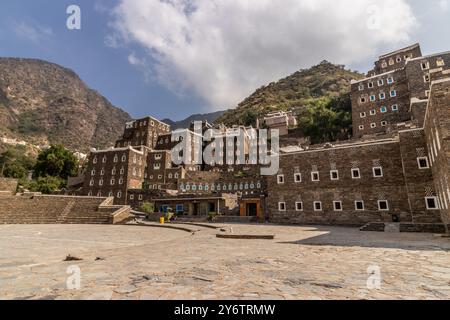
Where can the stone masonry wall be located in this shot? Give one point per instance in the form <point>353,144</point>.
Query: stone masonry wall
<point>8,186</point>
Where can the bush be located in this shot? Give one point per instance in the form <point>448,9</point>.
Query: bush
<point>46,185</point>
<point>147,207</point>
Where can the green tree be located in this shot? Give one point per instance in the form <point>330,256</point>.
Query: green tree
<point>15,163</point>
<point>46,185</point>
<point>56,161</point>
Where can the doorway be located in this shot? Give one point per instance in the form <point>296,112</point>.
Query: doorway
<point>252,209</point>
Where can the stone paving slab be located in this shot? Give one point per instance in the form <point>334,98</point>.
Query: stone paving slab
<point>154,263</point>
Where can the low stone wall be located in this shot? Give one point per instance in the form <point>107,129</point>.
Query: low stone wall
<point>40,209</point>
<point>8,186</point>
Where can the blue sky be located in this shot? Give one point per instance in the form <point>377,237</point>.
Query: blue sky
<point>174,58</point>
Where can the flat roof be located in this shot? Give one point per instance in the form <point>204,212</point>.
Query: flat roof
<point>400,50</point>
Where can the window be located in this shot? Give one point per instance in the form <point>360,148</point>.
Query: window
<point>377,172</point>
<point>281,206</point>
<point>380,82</point>
<point>113,182</point>
<point>390,80</point>
<point>157,166</point>
<point>383,109</point>
<point>432,203</point>
<point>399,59</point>
<point>298,177</point>
<point>158,156</point>
<point>299,206</point>
<point>362,114</point>
<point>372,98</point>
<point>356,174</point>
<point>124,158</point>
<point>425,65</point>
<point>337,205</point>
<point>373,125</point>
<point>280,179</point>
<point>393,93</point>
<point>423,163</point>
<point>102,172</point>
<point>373,112</point>
<point>119,195</point>
<point>104,159</point>
<point>359,205</point>
<point>382,96</point>
<point>391,62</point>
<point>427,93</point>
<point>315,176</point>
<point>426,78</point>
<point>334,175</point>
<point>116,158</point>
<point>440,62</point>
<point>100,183</point>
<point>140,197</point>
<point>91,183</point>
<point>394,107</point>
<point>383,205</point>
<point>363,100</point>
<point>95,160</point>
<point>383,123</point>
<point>370,85</point>
<point>361,127</point>
<point>361,87</point>
<point>131,196</point>
<point>93,173</point>
<point>317,206</point>
<point>120,181</point>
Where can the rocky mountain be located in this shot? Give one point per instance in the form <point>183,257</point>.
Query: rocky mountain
<point>43,103</point>
<point>183,124</point>
<point>297,90</point>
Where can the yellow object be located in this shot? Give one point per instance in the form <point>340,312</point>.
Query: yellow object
<point>161,220</point>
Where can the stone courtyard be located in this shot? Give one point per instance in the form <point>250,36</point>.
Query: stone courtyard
<point>139,262</point>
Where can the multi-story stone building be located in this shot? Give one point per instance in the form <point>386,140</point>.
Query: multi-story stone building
<point>398,172</point>
<point>385,97</point>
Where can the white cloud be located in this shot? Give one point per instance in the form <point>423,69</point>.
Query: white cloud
<point>224,49</point>
<point>444,5</point>
<point>32,31</point>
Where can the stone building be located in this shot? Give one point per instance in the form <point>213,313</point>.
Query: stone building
<point>385,97</point>
<point>143,132</point>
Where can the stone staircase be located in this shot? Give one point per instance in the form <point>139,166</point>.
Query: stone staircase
<point>38,209</point>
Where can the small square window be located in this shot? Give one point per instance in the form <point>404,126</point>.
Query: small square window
<point>393,93</point>
<point>315,176</point>
<point>432,203</point>
<point>334,175</point>
<point>383,205</point>
<point>382,96</point>
<point>378,172</point>
<point>363,100</point>
<point>281,206</point>
<point>361,87</point>
<point>383,123</point>
<point>373,112</point>
<point>359,205</point>
<point>362,114</point>
<point>317,206</point>
<point>370,85</point>
<point>337,205</point>
<point>440,62</point>
<point>423,163</point>
<point>356,174</point>
<point>280,179</point>
<point>373,125</point>
<point>426,78</point>
<point>380,82</point>
<point>297,177</point>
<point>394,107</point>
<point>372,98</point>
<point>361,127</point>
<point>383,109</point>
<point>299,206</point>
<point>390,80</point>
<point>427,93</point>
<point>425,65</point>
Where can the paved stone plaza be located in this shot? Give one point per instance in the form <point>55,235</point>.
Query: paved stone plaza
<point>133,262</point>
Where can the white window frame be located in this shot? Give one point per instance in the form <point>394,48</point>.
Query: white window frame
<point>362,114</point>
<point>423,158</point>
<point>321,206</point>
<point>394,107</point>
<point>312,176</point>
<point>382,96</point>
<point>356,170</point>
<point>380,82</point>
<point>379,205</point>
<point>373,112</point>
<point>440,62</point>
<point>334,206</point>
<point>436,201</point>
<point>157,166</point>
<point>383,108</point>
<point>393,93</point>
<point>370,85</point>
<point>297,175</point>
<point>384,123</point>
<point>374,169</point>
<point>281,204</point>
<point>361,127</point>
<point>426,63</point>
<point>296,206</point>
<point>280,179</point>
<point>356,206</point>
<point>390,80</point>
<point>361,87</point>
<point>373,125</point>
<point>331,175</point>
<point>373,98</point>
